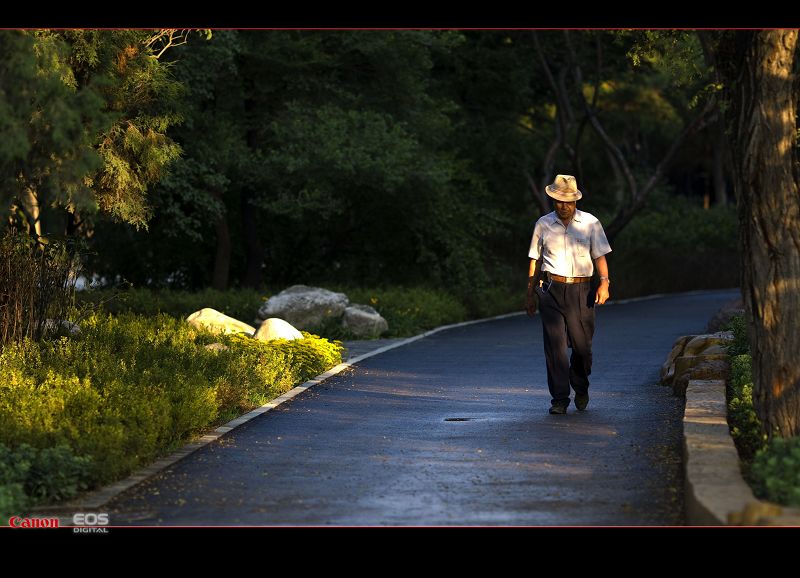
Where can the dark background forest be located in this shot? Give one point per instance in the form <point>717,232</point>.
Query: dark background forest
<point>225,159</point>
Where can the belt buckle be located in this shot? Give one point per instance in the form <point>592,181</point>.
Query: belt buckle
<point>570,279</point>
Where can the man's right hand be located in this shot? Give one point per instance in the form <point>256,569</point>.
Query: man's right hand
<point>531,303</point>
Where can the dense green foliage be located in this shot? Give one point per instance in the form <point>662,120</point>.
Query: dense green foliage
<point>740,345</point>
<point>363,158</point>
<point>127,390</point>
<point>400,158</point>
<point>771,466</point>
<point>87,113</point>
<point>675,245</point>
<point>241,304</point>
<point>776,471</point>
<point>29,475</point>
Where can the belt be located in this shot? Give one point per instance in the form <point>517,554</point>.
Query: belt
<point>568,279</point>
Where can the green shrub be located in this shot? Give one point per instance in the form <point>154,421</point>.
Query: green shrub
<point>674,245</point>
<point>681,224</point>
<point>744,423</point>
<point>776,472</point>
<point>13,501</point>
<point>492,301</point>
<point>131,388</point>
<point>740,344</point>
<point>29,475</point>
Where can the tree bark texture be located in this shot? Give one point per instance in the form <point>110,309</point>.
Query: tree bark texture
<point>758,77</point>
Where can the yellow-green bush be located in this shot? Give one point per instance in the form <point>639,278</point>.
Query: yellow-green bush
<point>131,388</point>
<point>744,423</point>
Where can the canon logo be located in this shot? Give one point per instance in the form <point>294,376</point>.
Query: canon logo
<point>17,522</point>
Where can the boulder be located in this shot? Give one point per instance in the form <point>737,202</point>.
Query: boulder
<point>364,321</point>
<point>216,322</point>
<point>305,307</point>
<point>689,367</point>
<point>702,344</point>
<point>710,346</point>
<point>668,369</point>
<point>274,328</point>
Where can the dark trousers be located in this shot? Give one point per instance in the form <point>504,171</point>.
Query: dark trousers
<point>567,311</point>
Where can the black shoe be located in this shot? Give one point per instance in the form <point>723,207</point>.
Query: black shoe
<point>581,401</point>
<point>558,408</point>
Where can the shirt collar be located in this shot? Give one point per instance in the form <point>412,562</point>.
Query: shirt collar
<point>577,217</point>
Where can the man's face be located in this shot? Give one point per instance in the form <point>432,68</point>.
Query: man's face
<point>565,209</point>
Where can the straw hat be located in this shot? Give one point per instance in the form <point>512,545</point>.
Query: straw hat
<point>564,188</point>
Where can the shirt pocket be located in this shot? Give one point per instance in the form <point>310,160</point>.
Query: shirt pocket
<point>580,246</point>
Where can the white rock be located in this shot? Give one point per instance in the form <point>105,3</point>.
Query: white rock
<point>217,322</point>
<point>274,328</point>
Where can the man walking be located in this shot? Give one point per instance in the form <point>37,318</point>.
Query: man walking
<point>567,244</point>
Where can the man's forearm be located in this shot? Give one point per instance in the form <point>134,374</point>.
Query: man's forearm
<point>534,272</point>
<point>602,266</point>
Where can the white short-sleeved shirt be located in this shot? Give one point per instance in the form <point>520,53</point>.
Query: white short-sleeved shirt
<point>569,251</point>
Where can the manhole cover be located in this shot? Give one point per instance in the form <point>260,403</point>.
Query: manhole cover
<point>458,419</point>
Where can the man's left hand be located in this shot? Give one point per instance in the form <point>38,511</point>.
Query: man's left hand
<point>602,294</point>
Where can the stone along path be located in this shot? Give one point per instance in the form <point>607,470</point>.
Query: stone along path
<point>453,429</point>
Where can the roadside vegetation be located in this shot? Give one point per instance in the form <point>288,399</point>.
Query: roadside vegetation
<point>772,467</point>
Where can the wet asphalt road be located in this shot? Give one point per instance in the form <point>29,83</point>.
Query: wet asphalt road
<point>373,445</point>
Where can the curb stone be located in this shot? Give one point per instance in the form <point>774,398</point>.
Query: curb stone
<point>716,493</point>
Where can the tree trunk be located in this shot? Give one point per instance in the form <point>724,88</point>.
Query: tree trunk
<point>763,112</point>
<point>718,168</point>
<point>255,252</point>
<point>222,258</point>
<point>31,208</point>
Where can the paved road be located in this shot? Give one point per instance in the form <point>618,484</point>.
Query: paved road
<point>375,446</point>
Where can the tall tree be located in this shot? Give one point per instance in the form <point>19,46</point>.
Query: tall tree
<point>758,70</point>
<point>48,127</point>
<point>91,122</point>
